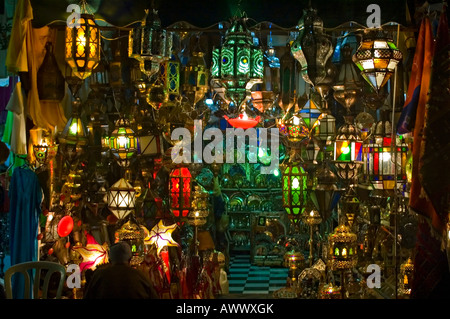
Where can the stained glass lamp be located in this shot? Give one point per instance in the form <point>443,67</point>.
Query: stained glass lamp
<point>377,57</point>
<point>342,248</point>
<point>294,188</point>
<point>82,51</point>
<point>180,185</point>
<point>123,142</point>
<point>195,77</point>
<point>238,64</point>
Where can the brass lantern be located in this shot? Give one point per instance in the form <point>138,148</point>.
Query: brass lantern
<point>342,248</point>
<point>238,64</point>
<point>195,78</point>
<point>50,81</point>
<point>169,76</point>
<point>83,46</point>
<point>149,43</point>
<point>121,198</point>
<point>199,206</point>
<point>123,142</point>
<point>377,57</point>
<point>132,233</point>
<point>406,277</point>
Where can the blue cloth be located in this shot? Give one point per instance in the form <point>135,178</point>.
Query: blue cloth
<point>25,195</point>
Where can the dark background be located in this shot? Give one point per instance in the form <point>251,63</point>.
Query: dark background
<point>205,13</point>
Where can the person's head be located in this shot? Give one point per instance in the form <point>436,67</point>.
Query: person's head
<point>120,253</point>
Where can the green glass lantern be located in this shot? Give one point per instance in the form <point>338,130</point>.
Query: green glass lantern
<point>123,142</point>
<point>169,76</point>
<point>149,43</point>
<point>294,188</point>
<point>238,64</point>
<point>377,57</point>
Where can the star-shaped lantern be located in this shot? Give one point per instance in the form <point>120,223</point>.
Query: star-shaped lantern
<point>161,236</point>
<point>92,254</point>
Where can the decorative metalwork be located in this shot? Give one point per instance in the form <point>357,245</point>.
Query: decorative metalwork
<point>123,142</point>
<point>121,198</point>
<point>342,248</point>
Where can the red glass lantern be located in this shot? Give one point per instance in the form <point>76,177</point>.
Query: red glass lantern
<point>180,192</point>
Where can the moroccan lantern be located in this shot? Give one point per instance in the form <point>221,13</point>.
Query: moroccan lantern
<point>149,43</point>
<point>121,198</point>
<point>342,248</point>
<point>82,52</point>
<point>44,148</point>
<point>169,76</point>
<point>238,64</point>
<point>50,81</point>
<point>406,277</point>
<point>123,142</point>
<point>380,157</point>
<point>347,151</point>
<point>180,185</point>
<point>75,131</point>
<point>348,86</point>
<point>326,191</point>
<point>377,57</point>
<point>294,188</point>
<point>133,234</point>
<point>310,114</point>
<point>199,206</point>
<point>325,129</point>
<point>195,78</point>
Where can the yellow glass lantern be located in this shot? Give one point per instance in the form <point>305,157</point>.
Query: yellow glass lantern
<point>406,277</point>
<point>83,46</point>
<point>199,206</point>
<point>123,142</point>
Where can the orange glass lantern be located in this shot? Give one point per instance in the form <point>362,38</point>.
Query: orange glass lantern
<point>83,46</point>
<point>180,185</point>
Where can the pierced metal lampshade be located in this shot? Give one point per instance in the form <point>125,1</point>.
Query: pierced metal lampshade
<point>377,57</point>
<point>342,248</point>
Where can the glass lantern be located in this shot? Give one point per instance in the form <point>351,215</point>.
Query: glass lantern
<point>377,57</point>
<point>121,198</point>
<point>195,78</point>
<point>123,142</point>
<point>180,185</point>
<point>342,248</point>
<point>82,51</point>
<point>294,188</point>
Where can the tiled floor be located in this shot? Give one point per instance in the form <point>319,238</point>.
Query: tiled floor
<point>244,278</point>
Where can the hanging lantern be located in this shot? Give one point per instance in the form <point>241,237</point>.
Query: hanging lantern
<point>313,49</point>
<point>325,130</point>
<point>312,150</point>
<point>350,205</point>
<point>199,206</point>
<point>169,76</point>
<point>195,78</point>
<point>149,43</point>
<point>342,248</point>
<point>379,159</point>
<point>121,198</point>
<point>348,85</point>
<point>289,79</point>
<point>310,114</point>
<point>326,191</point>
<point>293,127</point>
<point>123,143</point>
<point>83,46</point>
<point>180,185</point>
<point>75,132</point>
<point>377,57</point>
<point>50,81</point>
<point>347,150</point>
<point>44,148</point>
<point>99,79</point>
<point>238,64</point>
<point>294,188</point>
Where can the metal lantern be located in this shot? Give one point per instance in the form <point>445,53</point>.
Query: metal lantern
<point>149,43</point>
<point>199,206</point>
<point>50,81</point>
<point>326,191</point>
<point>169,76</point>
<point>293,127</point>
<point>195,78</point>
<point>310,114</point>
<point>294,188</point>
<point>121,198</point>
<point>82,52</point>
<point>289,78</point>
<point>123,142</point>
<point>380,158</point>
<point>348,85</point>
<point>133,234</point>
<point>313,49</point>
<point>347,150</point>
<point>75,132</point>
<point>44,148</point>
<point>342,248</point>
<point>325,129</point>
<point>377,57</point>
<point>406,277</point>
<point>238,64</point>
<point>180,185</point>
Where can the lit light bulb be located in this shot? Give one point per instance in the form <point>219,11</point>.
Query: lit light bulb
<point>295,183</point>
<point>386,157</point>
<point>345,149</point>
<point>296,120</point>
<point>122,141</point>
<point>73,128</point>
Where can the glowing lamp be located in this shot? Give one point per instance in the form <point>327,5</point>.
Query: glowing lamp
<point>243,121</point>
<point>123,143</point>
<point>377,57</point>
<point>406,277</point>
<point>342,248</point>
<point>294,188</point>
<point>82,52</point>
<point>65,226</point>
<point>161,236</point>
<point>75,131</point>
<point>121,198</point>
<point>293,127</point>
<point>180,184</point>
